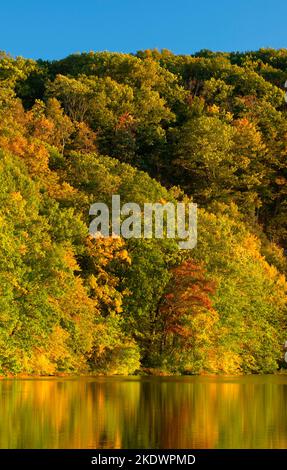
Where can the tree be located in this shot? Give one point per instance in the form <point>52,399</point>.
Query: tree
<point>203,158</point>
<point>186,319</point>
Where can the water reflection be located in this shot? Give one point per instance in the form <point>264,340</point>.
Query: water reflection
<point>197,412</point>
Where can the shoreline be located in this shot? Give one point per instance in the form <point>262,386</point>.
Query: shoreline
<point>90,376</point>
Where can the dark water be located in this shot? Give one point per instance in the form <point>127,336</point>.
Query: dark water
<point>132,412</point>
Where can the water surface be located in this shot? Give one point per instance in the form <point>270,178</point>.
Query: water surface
<point>144,412</point>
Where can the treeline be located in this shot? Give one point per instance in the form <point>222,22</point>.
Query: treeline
<point>153,127</point>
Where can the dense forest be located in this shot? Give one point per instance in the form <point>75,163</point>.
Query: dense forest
<point>152,126</point>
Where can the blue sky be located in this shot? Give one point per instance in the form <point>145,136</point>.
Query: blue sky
<point>54,29</point>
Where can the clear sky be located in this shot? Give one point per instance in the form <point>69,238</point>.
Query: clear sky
<point>53,29</point>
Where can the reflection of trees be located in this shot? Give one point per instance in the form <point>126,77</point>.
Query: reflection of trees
<point>140,413</point>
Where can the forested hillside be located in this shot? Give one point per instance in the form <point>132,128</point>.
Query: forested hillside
<point>152,126</point>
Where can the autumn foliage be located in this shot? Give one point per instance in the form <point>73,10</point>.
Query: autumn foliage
<point>152,127</point>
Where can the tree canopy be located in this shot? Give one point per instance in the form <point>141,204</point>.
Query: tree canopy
<point>151,127</point>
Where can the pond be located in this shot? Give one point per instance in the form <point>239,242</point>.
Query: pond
<point>144,412</point>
